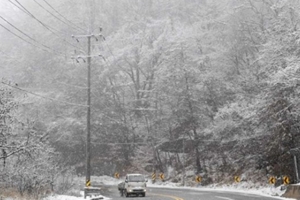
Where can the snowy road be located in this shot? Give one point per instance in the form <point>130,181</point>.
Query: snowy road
<point>169,191</point>
<point>184,194</point>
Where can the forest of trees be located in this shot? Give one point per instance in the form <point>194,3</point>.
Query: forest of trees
<point>217,80</point>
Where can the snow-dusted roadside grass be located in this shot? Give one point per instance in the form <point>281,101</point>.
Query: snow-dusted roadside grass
<point>66,197</point>
<point>77,193</point>
<point>263,191</point>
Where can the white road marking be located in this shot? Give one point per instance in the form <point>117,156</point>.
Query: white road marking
<point>224,198</point>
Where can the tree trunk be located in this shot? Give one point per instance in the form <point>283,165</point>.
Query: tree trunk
<point>198,163</point>
<point>159,163</point>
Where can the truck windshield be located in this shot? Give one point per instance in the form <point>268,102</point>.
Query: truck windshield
<point>137,178</point>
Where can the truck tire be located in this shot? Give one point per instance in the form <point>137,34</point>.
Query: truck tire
<point>143,194</point>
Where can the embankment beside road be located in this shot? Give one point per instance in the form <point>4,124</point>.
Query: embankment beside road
<point>292,191</point>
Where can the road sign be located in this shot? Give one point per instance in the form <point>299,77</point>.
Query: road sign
<point>161,176</point>
<point>198,179</point>
<point>117,175</point>
<point>153,176</point>
<point>237,179</point>
<point>286,180</point>
<point>272,180</point>
<point>88,183</point>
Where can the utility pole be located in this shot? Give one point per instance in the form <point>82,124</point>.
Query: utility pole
<point>88,56</point>
<point>296,152</point>
<point>88,135</point>
<point>183,163</point>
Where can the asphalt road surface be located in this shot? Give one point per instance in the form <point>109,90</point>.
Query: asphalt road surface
<point>183,194</point>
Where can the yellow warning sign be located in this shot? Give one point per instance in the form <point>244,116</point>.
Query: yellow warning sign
<point>272,180</point>
<point>286,180</point>
<point>117,175</point>
<point>237,179</point>
<point>198,179</point>
<point>161,176</point>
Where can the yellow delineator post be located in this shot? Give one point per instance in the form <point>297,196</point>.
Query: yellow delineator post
<point>153,176</point>
<point>88,183</point>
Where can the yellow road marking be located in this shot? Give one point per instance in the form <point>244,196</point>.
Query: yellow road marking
<point>169,196</point>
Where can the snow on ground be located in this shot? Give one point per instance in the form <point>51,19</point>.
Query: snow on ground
<point>263,191</point>
<point>241,187</point>
<point>65,197</point>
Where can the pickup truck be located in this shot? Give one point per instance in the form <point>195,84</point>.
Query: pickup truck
<point>133,184</point>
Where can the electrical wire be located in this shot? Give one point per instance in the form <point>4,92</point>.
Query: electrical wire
<point>17,28</point>
<point>46,26</point>
<point>63,16</point>
<point>51,29</point>
<point>52,14</point>
<point>48,98</point>
<point>22,38</point>
<point>75,86</point>
<point>29,36</point>
<point>31,15</point>
<point>18,7</point>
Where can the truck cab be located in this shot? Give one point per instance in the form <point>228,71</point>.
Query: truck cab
<point>133,184</point>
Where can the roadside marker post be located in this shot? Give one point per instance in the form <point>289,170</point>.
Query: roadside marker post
<point>153,177</point>
<point>88,183</point>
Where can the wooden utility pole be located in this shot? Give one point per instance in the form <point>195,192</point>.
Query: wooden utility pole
<point>88,126</point>
<point>88,135</point>
<point>183,163</point>
<point>296,152</point>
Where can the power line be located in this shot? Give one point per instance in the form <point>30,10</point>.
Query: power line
<point>63,16</point>
<point>31,15</point>
<point>76,86</point>
<point>28,36</point>
<point>43,24</point>
<point>52,14</point>
<point>18,7</point>
<point>113,143</point>
<point>48,98</point>
<point>51,29</point>
<point>16,28</point>
<point>22,38</point>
